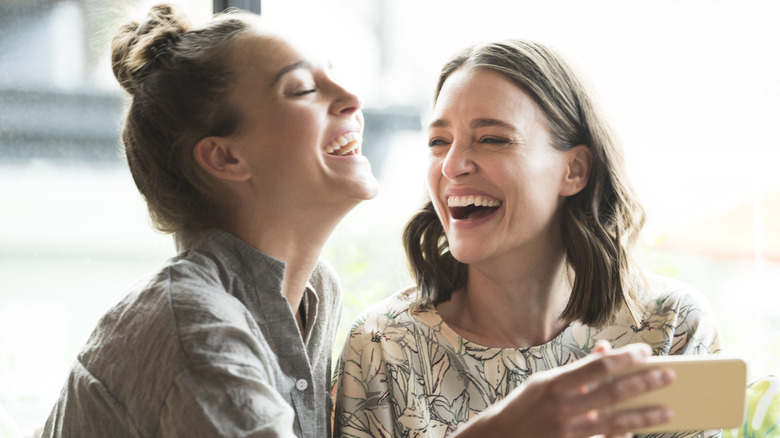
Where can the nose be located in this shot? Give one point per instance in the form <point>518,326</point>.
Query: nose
<point>344,102</point>
<point>458,161</point>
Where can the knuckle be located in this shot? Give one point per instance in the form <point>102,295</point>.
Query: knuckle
<point>649,382</point>
<point>620,424</point>
<point>602,366</point>
<point>617,391</point>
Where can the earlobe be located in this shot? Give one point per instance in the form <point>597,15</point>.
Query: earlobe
<point>580,159</point>
<point>216,157</point>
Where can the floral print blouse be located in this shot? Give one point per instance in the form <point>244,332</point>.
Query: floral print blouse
<point>405,373</point>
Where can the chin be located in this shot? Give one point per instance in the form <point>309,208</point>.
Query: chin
<point>365,189</point>
<point>468,253</point>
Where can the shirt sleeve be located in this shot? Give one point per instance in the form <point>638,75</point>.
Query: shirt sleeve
<point>361,385</point>
<point>697,434</point>
<point>696,332</point>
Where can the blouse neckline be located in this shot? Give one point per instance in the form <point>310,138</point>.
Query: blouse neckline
<point>430,317</point>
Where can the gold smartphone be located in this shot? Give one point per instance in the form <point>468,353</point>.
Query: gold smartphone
<point>708,393</point>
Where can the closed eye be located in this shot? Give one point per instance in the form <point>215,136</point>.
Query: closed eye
<point>493,140</point>
<point>437,142</point>
<point>305,92</point>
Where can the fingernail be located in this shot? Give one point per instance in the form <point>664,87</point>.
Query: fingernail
<point>667,375</point>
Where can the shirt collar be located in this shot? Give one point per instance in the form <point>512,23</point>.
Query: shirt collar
<point>248,263</point>
<point>254,267</point>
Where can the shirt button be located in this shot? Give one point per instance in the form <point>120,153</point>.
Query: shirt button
<point>301,384</point>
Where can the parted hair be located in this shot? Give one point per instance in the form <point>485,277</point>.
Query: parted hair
<point>179,78</point>
<point>600,224</point>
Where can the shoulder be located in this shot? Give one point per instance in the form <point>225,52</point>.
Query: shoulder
<point>184,293</point>
<point>326,283</point>
<point>393,316</point>
<point>395,309</point>
<point>325,275</point>
<point>211,324</point>
<point>186,308</point>
<point>660,293</point>
<point>683,313</point>
<point>197,285</point>
<point>383,334</point>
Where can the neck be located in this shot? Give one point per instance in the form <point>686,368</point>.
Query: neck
<point>296,239</point>
<point>511,308</point>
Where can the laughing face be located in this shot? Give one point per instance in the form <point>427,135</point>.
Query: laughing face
<point>301,130</point>
<point>494,178</point>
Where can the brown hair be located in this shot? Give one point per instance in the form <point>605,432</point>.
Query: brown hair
<point>179,78</point>
<point>600,223</point>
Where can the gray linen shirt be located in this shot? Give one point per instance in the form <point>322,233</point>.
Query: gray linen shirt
<point>208,347</point>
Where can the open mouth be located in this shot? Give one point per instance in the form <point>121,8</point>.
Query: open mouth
<point>472,206</point>
<point>346,144</point>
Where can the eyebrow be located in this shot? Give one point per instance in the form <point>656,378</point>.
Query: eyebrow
<point>475,124</point>
<point>288,68</point>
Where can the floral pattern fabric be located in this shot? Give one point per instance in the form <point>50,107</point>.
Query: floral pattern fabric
<point>405,373</point>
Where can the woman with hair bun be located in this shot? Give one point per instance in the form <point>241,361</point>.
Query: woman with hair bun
<point>248,152</point>
<point>523,264</point>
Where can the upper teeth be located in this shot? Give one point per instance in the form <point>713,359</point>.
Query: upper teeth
<point>476,200</point>
<point>345,143</point>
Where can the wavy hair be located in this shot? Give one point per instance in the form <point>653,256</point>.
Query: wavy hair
<point>600,223</point>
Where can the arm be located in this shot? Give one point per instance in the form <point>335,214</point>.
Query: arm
<point>225,400</point>
<point>360,383</point>
<point>695,332</point>
<point>227,383</point>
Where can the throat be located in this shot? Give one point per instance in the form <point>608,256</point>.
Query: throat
<point>504,319</point>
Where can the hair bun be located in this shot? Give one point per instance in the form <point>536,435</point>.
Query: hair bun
<point>136,47</point>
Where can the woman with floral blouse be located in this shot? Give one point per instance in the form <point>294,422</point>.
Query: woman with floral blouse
<point>523,264</point>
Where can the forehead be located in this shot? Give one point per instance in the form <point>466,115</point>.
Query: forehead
<point>263,54</point>
<point>483,93</point>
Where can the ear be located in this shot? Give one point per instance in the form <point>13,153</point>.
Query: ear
<point>580,160</point>
<point>216,156</point>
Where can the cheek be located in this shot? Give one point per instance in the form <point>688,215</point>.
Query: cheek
<point>298,121</point>
<point>434,173</point>
<point>433,178</point>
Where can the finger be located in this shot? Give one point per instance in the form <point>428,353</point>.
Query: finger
<point>627,421</point>
<point>619,423</point>
<point>623,388</point>
<point>597,367</point>
<point>602,346</point>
